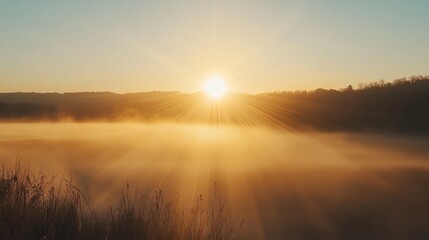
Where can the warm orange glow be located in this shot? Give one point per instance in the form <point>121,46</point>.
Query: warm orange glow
<point>215,87</point>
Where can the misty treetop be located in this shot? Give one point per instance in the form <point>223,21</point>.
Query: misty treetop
<point>400,106</point>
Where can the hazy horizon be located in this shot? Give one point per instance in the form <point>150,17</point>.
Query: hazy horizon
<point>255,46</point>
<point>201,91</point>
<point>214,119</point>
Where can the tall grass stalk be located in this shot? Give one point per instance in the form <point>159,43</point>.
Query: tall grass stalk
<point>33,206</point>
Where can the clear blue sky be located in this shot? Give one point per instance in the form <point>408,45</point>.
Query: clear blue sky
<point>130,46</point>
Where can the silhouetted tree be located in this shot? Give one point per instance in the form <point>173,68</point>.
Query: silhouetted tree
<point>400,106</point>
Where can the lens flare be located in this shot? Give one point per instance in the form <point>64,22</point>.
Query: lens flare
<point>215,87</point>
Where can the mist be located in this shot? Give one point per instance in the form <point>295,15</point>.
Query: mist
<point>381,107</point>
<point>282,183</point>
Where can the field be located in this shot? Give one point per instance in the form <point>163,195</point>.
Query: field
<point>214,120</point>
<point>273,183</point>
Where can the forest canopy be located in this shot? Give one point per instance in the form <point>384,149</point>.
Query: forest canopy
<point>400,106</point>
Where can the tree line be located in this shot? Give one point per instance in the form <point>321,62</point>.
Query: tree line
<point>398,106</point>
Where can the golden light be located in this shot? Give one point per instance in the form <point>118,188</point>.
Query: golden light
<point>215,87</point>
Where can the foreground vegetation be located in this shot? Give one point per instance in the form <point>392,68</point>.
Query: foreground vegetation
<point>35,207</point>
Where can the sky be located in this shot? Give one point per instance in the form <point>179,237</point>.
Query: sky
<point>174,45</point>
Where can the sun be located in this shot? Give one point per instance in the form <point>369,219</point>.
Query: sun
<point>215,87</point>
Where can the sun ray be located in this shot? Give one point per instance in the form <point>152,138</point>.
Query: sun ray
<point>215,87</point>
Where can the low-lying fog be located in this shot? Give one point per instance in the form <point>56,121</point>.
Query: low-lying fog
<point>288,184</point>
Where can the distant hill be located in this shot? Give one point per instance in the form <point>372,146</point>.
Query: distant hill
<point>401,106</point>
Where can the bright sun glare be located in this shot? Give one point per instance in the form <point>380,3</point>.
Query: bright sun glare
<point>215,87</point>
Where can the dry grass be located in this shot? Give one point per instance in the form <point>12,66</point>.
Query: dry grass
<point>34,207</point>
